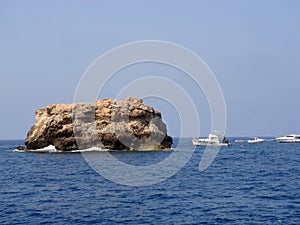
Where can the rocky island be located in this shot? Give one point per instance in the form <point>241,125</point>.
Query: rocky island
<point>107,123</point>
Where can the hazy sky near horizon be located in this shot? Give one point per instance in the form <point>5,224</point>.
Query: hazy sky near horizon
<point>253,48</point>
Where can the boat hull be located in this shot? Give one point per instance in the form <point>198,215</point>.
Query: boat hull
<point>288,141</point>
<point>255,141</point>
<point>205,143</point>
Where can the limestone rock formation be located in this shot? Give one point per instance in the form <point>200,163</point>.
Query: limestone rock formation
<point>108,123</point>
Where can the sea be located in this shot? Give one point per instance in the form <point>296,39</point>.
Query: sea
<point>245,184</point>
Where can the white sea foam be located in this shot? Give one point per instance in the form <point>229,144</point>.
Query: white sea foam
<point>52,149</point>
<point>92,149</point>
<point>16,150</point>
<point>49,148</point>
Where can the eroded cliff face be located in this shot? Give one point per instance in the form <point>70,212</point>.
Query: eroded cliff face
<point>108,123</point>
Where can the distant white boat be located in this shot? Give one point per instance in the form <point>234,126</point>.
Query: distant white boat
<point>256,140</point>
<point>212,140</point>
<point>239,140</point>
<point>290,138</point>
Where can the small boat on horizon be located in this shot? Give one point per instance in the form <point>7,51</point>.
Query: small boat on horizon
<point>290,138</point>
<point>256,140</point>
<point>211,140</point>
<point>239,140</point>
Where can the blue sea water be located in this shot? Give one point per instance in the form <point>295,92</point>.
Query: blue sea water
<point>246,184</point>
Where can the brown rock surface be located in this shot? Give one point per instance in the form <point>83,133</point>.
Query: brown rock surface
<point>108,123</point>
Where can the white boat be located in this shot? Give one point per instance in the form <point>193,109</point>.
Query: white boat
<point>239,140</point>
<point>290,138</point>
<point>256,140</point>
<point>212,140</point>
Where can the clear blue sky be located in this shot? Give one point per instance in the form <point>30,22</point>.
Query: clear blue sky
<point>253,47</point>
